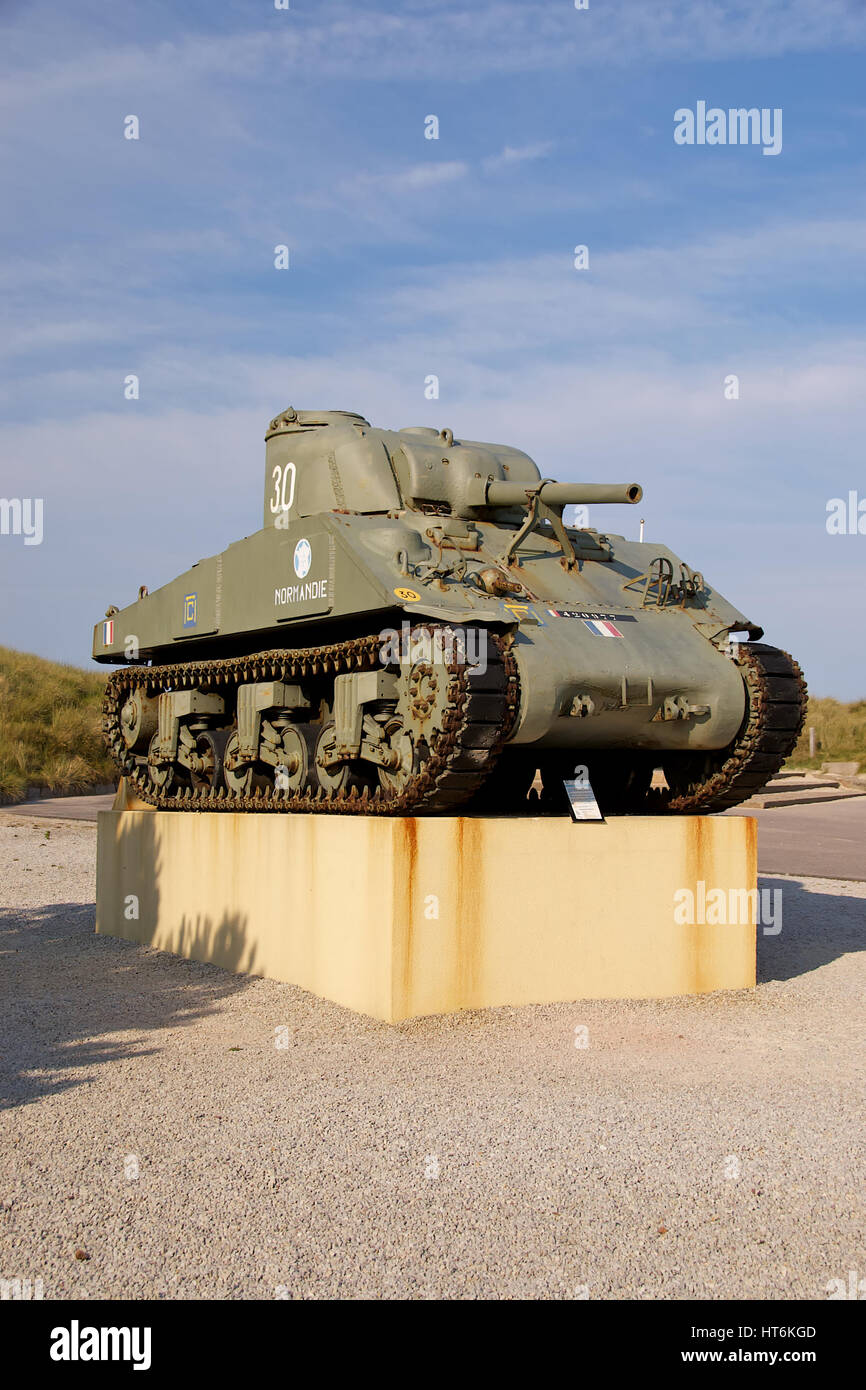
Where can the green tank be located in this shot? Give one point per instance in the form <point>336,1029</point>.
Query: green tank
<point>415,629</point>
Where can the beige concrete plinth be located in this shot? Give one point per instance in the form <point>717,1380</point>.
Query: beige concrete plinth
<point>401,917</point>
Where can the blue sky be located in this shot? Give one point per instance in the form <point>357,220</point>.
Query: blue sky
<point>452,257</point>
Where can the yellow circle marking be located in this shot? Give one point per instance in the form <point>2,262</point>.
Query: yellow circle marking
<point>407,595</point>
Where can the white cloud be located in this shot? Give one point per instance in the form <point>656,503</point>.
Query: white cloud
<point>413,177</point>
<point>517,155</point>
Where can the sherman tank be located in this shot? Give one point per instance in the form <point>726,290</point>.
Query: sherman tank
<point>416,629</point>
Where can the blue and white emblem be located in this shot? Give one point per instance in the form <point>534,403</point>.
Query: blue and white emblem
<point>303,558</point>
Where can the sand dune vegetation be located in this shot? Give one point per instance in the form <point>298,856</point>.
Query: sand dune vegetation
<point>840,730</point>
<point>50,727</point>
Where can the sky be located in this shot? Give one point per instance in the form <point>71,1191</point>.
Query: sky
<point>453,257</point>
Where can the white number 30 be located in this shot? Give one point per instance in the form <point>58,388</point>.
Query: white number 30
<point>284,478</point>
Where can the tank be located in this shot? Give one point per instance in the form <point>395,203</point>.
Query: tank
<point>416,629</point>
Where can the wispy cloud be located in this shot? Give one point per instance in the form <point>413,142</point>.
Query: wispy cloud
<point>414,177</point>
<point>686,297</point>
<point>517,155</point>
<point>705,300</point>
<point>435,38</point>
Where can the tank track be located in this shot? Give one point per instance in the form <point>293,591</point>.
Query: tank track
<point>776,712</point>
<point>480,713</point>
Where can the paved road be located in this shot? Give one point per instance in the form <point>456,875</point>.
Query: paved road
<point>825,840</point>
<point>822,840</point>
<point>65,807</point>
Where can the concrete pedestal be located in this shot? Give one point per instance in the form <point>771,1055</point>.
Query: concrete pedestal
<point>401,917</point>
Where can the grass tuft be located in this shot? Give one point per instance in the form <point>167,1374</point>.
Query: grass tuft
<point>50,727</point>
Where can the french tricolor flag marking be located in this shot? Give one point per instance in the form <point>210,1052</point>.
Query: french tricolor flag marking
<point>602,628</point>
<point>108,633</point>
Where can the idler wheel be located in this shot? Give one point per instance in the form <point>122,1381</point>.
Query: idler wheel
<point>139,718</point>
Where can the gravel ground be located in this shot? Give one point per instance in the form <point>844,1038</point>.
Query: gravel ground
<point>156,1142</point>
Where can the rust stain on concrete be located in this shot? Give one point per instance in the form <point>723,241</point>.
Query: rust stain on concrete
<point>752,878</point>
<point>711,858</point>
<point>751,848</point>
<point>405,867</point>
<point>470,866</point>
<point>696,860</point>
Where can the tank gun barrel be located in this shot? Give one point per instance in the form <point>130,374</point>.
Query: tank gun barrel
<point>502,494</point>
